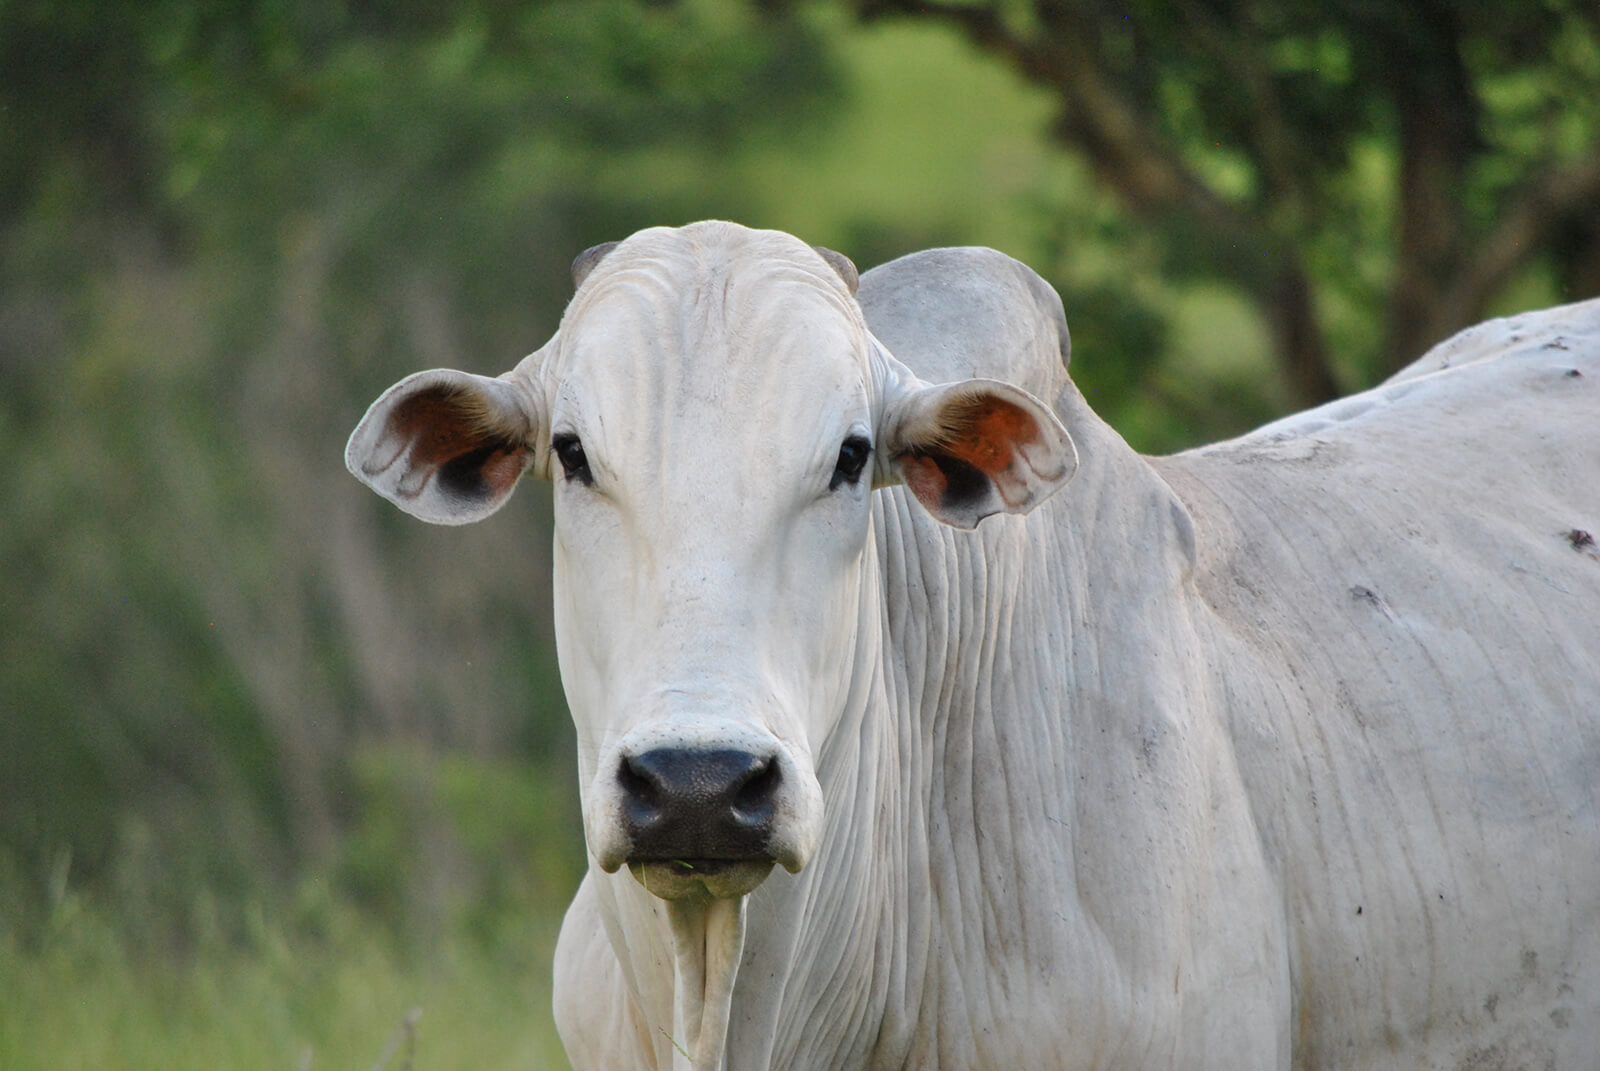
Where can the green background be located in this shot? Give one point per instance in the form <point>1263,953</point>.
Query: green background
<point>286,778</point>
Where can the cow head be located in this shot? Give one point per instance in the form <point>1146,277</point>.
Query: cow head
<point>714,415</point>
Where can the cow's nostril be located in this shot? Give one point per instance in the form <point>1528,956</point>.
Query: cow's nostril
<point>637,782</point>
<point>755,799</point>
<point>641,792</point>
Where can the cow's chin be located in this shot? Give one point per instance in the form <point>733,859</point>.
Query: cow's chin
<point>687,879</point>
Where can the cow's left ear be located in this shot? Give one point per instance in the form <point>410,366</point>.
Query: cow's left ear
<point>970,449</point>
<point>446,446</point>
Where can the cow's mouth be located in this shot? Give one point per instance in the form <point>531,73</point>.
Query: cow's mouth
<point>679,879</point>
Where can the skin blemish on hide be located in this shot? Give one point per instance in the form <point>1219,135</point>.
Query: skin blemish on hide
<point>1366,596</point>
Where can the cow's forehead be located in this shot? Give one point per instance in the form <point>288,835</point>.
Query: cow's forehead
<point>753,327</point>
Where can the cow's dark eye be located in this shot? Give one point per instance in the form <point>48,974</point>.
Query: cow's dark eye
<point>853,455</point>
<point>569,451</point>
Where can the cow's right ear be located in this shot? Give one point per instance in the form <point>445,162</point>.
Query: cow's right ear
<point>970,449</point>
<point>446,446</point>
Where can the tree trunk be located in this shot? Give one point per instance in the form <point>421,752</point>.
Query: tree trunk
<point>1297,335</point>
<point>1437,114</point>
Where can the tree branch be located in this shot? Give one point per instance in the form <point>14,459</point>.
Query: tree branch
<point>1266,127</point>
<point>1547,202</point>
<point>1131,157</point>
<point>1119,141</point>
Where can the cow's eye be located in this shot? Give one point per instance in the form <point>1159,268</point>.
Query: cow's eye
<point>853,455</point>
<point>569,451</point>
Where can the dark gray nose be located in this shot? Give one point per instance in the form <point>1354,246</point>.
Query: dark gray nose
<point>687,803</point>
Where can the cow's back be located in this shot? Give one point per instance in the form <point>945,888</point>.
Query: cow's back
<point>1405,593</point>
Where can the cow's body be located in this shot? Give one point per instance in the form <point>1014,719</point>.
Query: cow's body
<point>1412,686</point>
<point>1281,753</point>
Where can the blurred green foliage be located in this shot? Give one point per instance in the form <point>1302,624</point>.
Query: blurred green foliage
<point>1371,177</point>
<point>246,706</point>
<point>228,225</point>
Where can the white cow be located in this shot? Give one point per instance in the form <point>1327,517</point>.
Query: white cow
<point>1283,753</point>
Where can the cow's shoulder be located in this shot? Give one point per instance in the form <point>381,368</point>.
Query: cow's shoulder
<point>969,312</point>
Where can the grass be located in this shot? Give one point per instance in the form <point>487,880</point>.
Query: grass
<point>81,994</point>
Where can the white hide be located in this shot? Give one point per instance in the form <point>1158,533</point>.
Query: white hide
<point>1283,753</point>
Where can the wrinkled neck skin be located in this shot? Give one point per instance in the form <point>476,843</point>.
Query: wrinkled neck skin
<point>929,922</point>
<point>1004,660</point>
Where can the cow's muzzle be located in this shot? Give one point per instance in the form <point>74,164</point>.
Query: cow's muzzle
<point>699,821</point>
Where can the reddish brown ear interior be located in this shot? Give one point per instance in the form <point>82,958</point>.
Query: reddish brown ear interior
<point>437,424</point>
<point>451,440</point>
<point>941,483</point>
<point>986,432</point>
<point>979,451</point>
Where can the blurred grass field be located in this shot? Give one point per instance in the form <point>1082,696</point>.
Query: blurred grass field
<point>84,997</point>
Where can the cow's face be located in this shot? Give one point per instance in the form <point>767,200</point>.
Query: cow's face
<point>711,420</point>
<point>714,415</point>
